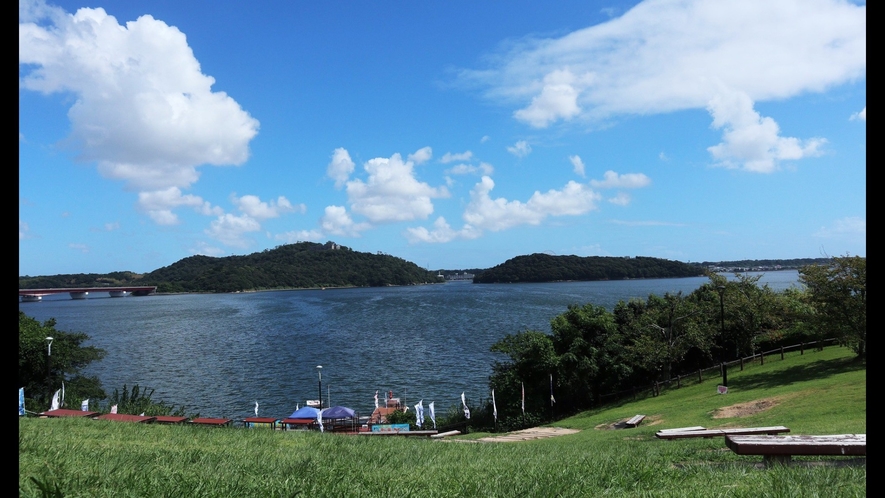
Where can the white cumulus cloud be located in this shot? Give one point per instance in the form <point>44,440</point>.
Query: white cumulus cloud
<point>337,221</point>
<point>391,192</point>
<point>421,155</point>
<point>253,206</point>
<point>486,213</point>
<point>143,110</point>
<point>340,167</point>
<point>753,142</point>
<point>577,164</point>
<point>158,204</point>
<point>442,232</point>
<point>669,55</point>
<point>231,229</point>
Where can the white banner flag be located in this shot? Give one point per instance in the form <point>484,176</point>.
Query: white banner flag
<point>114,409</point>
<point>62,401</point>
<point>256,408</point>
<point>21,401</point>
<point>432,414</point>
<point>523,398</point>
<point>55,396</point>
<point>320,419</point>
<point>84,405</point>
<point>419,414</point>
<point>376,399</point>
<point>466,410</point>
<point>494,407</point>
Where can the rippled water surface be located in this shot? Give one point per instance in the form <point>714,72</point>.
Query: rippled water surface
<point>218,354</point>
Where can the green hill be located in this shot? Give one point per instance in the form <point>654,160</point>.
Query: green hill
<point>547,268</point>
<point>820,392</point>
<point>291,266</point>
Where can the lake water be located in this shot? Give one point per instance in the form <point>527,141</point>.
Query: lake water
<point>218,354</point>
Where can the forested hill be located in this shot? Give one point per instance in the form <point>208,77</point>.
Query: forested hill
<point>301,265</point>
<point>546,268</point>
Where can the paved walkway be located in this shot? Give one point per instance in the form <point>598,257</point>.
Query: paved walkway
<point>529,434</point>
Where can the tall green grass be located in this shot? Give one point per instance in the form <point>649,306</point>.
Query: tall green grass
<point>817,393</point>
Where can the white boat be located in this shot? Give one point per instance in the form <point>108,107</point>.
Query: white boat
<point>31,298</point>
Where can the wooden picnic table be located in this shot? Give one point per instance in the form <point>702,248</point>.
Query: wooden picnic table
<point>739,431</point>
<point>254,422</point>
<point>780,449</point>
<point>214,422</point>
<point>168,419</point>
<point>122,417</point>
<point>63,412</point>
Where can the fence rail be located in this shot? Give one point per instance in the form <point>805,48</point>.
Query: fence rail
<point>654,389</point>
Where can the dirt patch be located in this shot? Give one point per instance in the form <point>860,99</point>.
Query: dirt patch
<point>529,434</point>
<point>746,409</point>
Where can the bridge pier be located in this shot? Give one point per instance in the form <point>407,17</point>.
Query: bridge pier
<point>78,295</point>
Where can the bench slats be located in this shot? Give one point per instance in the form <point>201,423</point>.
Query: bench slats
<point>686,433</point>
<point>839,444</point>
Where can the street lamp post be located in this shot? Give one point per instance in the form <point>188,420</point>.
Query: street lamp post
<point>721,289</point>
<point>48,364</point>
<point>320,373</point>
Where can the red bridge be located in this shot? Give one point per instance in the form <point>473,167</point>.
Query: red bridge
<point>32,295</point>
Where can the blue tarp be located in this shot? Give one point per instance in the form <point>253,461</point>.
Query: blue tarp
<point>338,412</point>
<point>305,412</point>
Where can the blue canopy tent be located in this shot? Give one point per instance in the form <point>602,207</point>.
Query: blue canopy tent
<point>302,418</point>
<point>343,418</point>
<point>305,412</point>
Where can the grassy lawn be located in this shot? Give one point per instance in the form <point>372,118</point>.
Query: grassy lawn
<point>820,392</point>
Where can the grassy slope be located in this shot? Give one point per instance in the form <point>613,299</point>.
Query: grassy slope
<point>818,393</point>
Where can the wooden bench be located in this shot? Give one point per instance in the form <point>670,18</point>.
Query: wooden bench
<point>780,449</point>
<point>745,431</point>
<point>682,429</point>
<point>635,421</point>
<point>445,434</point>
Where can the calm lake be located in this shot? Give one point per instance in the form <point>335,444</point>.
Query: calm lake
<point>218,354</point>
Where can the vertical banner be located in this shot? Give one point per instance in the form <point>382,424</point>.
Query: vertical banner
<point>552,399</point>
<point>54,405</point>
<point>84,405</point>
<point>114,409</point>
<point>494,407</point>
<point>21,401</point>
<point>466,410</point>
<point>376,399</point>
<point>419,414</point>
<point>256,408</point>
<point>523,398</point>
<point>432,414</point>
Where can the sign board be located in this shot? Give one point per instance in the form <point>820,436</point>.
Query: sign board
<point>313,402</point>
<point>390,428</point>
<point>722,389</point>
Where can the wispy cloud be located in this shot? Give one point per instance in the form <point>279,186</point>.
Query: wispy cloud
<point>520,149</point>
<point>665,55</point>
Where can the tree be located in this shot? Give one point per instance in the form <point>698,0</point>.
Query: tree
<point>665,329</point>
<point>531,361</point>
<point>69,357</point>
<point>837,291</point>
<point>591,355</point>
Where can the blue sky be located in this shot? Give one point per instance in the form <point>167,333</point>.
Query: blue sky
<point>451,134</point>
